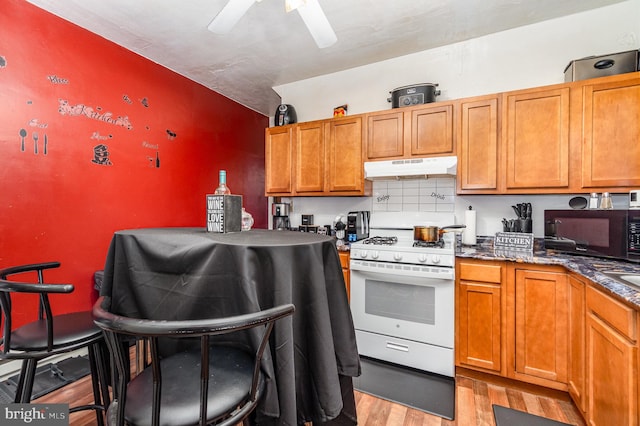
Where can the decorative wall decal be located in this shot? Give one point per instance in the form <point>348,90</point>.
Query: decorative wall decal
<point>154,162</point>
<point>23,134</point>
<point>46,144</point>
<point>34,123</point>
<point>171,135</point>
<point>57,80</point>
<point>35,142</point>
<point>101,155</point>
<point>145,102</point>
<point>148,145</point>
<point>65,108</point>
<point>126,99</point>
<point>98,136</point>
<point>3,62</point>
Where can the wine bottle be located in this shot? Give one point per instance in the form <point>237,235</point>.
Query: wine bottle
<point>222,188</point>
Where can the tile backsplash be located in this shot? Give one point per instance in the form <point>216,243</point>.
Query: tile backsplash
<point>426,195</point>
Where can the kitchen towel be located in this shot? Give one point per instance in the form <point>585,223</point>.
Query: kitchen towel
<point>469,234</point>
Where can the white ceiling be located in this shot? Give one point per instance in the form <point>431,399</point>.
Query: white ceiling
<point>269,47</point>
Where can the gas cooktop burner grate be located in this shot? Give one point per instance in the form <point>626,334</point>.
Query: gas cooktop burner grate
<point>386,241</point>
<point>439,244</point>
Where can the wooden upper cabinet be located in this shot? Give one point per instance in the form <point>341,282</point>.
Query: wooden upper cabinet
<point>478,160</point>
<point>278,154</point>
<point>432,129</point>
<point>536,134</point>
<point>309,157</point>
<point>344,160</point>
<point>419,131</point>
<point>611,134</point>
<point>385,135</point>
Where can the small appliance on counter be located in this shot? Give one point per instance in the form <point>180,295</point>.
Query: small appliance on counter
<point>285,114</point>
<point>280,213</point>
<point>597,233</point>
<point>634,199</point>
<point>357,226</point>
<point>341,230</point>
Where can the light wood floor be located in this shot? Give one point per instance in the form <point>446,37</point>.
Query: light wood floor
<point>473,406</point>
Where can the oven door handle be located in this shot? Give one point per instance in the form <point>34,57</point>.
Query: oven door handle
<point>397,347</point>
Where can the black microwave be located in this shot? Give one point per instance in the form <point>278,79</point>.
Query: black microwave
<point>600,233</point>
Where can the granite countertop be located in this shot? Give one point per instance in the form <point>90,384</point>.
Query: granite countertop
<point>589,267</point>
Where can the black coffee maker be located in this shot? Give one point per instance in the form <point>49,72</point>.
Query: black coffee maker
<point>280,213</point>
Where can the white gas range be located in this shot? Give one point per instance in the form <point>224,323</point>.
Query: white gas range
<point>402,295</point>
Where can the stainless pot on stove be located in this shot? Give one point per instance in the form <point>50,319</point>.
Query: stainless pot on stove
<point>432,234</point>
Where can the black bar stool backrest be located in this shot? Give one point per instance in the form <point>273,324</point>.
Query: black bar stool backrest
<point>208,383</point>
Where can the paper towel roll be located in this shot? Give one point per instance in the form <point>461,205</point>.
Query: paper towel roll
<point>469,234</point>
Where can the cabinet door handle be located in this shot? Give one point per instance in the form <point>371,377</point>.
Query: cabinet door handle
<point>397,347</point>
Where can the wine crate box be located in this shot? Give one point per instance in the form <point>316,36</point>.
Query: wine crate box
<point>224,213</point>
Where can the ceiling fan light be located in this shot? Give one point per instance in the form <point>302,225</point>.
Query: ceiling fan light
<point>229,16</point>
<point>317,23</point>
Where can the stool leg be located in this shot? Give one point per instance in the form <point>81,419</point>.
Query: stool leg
<point>101,352</point>
<point>27,377</point>
<point>95,383</point>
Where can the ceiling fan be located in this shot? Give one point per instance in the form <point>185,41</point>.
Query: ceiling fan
<point>310,11</point>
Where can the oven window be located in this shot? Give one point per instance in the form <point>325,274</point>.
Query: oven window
<point>406,302</point>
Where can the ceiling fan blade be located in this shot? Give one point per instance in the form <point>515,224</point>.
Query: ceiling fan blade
<point>229,16</point>
<point>317,23</point>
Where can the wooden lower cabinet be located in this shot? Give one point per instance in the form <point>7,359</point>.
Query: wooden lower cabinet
<point>344,262</point>
<point>538,325</point>
<point>479,318</point>
<point>576,379</point>
<point>612,361</point>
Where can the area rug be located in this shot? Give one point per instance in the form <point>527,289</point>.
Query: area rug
<point>48,378</point>
<point>509,417</point>
<point>427,392</point>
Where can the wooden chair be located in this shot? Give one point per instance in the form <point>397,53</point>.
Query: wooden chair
<point>49,335</point>
<point>205,382</point>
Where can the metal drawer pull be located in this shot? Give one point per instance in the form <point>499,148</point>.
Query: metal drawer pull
<point>397,347</point>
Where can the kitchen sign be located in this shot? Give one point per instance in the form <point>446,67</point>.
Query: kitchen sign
<point>513,244</point>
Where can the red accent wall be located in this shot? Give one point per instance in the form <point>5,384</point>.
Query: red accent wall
<point>128,144</point>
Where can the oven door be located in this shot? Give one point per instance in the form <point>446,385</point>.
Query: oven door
<point>410,302</point>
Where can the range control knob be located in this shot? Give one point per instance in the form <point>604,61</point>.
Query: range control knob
<point>375,254</point>
<point>435,259</point>
<point>422,258</point>
<point>363,254</point>
<point>397,256</point>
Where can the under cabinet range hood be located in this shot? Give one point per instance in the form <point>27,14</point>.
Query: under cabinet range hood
<point>411,168</point>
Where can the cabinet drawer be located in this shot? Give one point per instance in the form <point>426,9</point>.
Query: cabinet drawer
<point>616,314</point>
<point>483,272</point>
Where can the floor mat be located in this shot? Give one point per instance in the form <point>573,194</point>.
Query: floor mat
<point>48,378</point>
<point>509,417</point>
<point>431,393</point>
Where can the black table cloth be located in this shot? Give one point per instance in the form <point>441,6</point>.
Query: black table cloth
<point>188,273</point>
